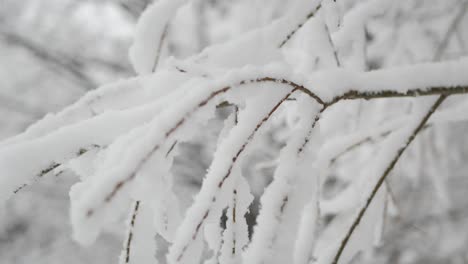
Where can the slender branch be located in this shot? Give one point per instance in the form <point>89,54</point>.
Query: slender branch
<point>231,166</point>
<point>233,219</point>
<point>299,26</point>
<point>332,45</point>
<point>134,215</point>
<point>354,94</point>
<point>130,231</point>
<point>285,198</point>
<point>382,178</point>
<point>159,47</point>
<point>234,195</point>
<point>55,165</point>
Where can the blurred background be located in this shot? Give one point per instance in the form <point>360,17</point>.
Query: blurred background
<point>54,51</point>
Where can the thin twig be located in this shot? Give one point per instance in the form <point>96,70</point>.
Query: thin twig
<point>159,48</point>
<point>381,180</point>
<point>310,15</point>
<point>130,231</point>
<point>55,165</point>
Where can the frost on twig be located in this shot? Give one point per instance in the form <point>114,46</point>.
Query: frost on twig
<point>298,94</point>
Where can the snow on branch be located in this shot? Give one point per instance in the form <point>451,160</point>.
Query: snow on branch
<point>397,152</point>
<point>122,139</point>
<point>151,29</point>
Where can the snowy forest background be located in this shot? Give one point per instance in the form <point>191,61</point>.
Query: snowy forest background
<point>53,52</point>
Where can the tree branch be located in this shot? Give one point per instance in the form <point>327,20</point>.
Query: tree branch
<point>55,165</point>
<point>128,242</point>
<point>299,26</point>
<point>387,171</point>
<point>234,159</point>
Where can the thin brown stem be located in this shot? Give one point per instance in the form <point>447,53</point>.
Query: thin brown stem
<point>299,26</point>
<point>382,178</point>
<point>53,166</point>
<point>130,231</point>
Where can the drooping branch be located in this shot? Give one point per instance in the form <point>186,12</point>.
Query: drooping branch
<point>382,178</point>
<point>422,125</point>
<point>55,165</point>
<point>276,199</point>
<point>234,196</point>
<point>350,95</point>
<point>179,123</point>
<point>177,254</point>
<point>133,216</point>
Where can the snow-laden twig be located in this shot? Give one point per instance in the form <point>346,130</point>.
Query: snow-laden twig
<point>54,166</point>
<point>125,255</point>
<point>151,30</point>
<point>84,108</point>
<point>277,199</point>
<point>385,173</point>
<point>226,156</point>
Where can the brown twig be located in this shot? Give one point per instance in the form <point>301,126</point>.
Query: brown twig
<point>130,231</point>
<point>289,36</point>
<point>53,166</point>
<point>382,178</point>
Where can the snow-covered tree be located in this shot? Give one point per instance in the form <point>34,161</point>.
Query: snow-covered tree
<point>305,110</point>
